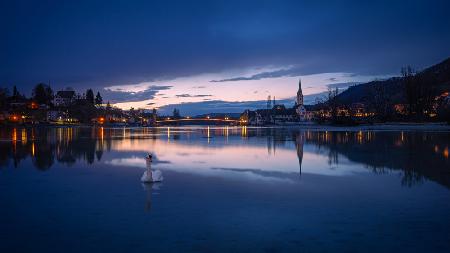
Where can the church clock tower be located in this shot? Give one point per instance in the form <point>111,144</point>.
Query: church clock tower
<point>299,100</point>
<point>299,107</point>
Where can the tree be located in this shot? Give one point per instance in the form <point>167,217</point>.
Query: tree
<point>90,96</point>
<point>333,103</point>
<point>381,101</point>
<point>176,113</point>
<point>410,88</point>
<point>42,93</point>
<point>83,111</point>
<point>98,99</point>
<point>419,91</point>
<point>132,112</point>
<point>3,95</point>
<point>426,93</point>
<point>16,93</point>
<point>108,106</point>
<point>154,115</point>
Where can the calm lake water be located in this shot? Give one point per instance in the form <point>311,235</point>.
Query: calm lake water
<point>225,189</point>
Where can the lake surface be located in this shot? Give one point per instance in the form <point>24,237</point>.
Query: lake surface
<point>225,189</point>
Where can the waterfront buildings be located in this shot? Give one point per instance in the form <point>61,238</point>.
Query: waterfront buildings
<point>278,114</point>
<point>64,98</point>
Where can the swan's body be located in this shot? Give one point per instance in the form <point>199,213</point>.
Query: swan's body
<point>150,176</point>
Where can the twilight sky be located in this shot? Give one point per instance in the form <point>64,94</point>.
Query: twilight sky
<point>215,56</point>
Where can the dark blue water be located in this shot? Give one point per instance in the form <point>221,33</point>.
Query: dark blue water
<point>224,189</point>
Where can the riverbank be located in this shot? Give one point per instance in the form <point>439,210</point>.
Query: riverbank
<point>389,126</point>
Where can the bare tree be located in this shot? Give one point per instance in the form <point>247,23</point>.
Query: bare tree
<point>419,91</point>
<point>409,83</point>
<point>380,101</point>
<point>332,103</point>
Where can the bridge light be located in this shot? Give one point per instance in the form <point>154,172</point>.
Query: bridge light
<point>168,118</point>
<point>207,117</point>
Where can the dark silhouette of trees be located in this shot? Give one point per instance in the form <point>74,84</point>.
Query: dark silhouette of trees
<point>418,90</point>
<point>42,93</point>
<point>381,102</point>
<point>176,113</point>
<point>98,99</point>
<point>410,89</point>
<point>84,111</point>
<point>90,96</point>
<point>333,103</point>
<point>3,96</point>
<point>427,90</point>
<point>16,93</point>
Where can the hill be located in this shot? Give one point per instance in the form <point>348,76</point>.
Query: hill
<point>437,76</point>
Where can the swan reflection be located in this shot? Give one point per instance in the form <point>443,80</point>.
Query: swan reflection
<point>150,189</point>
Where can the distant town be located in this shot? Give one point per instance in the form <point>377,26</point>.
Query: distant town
<point>413,97</point>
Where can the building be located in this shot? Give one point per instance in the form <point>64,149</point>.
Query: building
<point>278,114</point>
<point>64,98</point>
<point>60,117</point>
<point>299,106</point>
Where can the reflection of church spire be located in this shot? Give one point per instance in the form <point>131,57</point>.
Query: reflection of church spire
<point>269,145</point>
<point>299,141</point>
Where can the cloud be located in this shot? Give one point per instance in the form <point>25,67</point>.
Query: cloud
<point>292,71</point>
<point>198,87</point>
<point>192,96</point>
<point>119,95</point>
<point>241,34</point>
<point>341,85</point>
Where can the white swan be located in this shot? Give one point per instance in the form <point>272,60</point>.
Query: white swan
<point>150,176</point>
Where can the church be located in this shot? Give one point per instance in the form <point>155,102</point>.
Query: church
<point>299,106</point>
<point>278,114</point>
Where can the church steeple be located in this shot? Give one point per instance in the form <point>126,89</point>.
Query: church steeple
<point>300,86</point>
<point>299,100</point>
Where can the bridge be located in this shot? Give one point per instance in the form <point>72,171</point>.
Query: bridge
<point>215,121</point>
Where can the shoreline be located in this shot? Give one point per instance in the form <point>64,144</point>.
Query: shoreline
<point>389,126</point>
